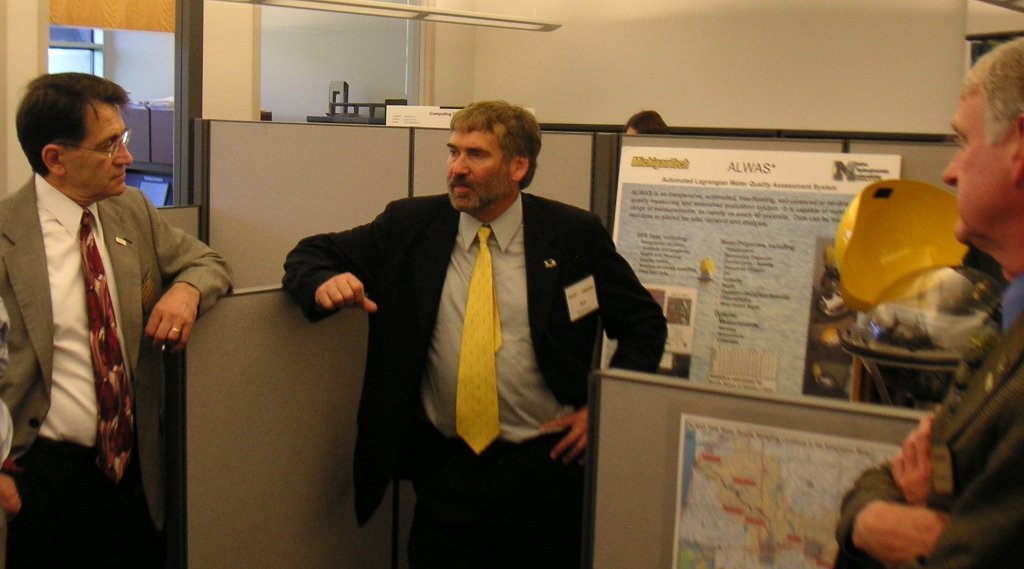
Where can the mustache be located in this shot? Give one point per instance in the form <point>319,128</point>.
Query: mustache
<point>459,180</point>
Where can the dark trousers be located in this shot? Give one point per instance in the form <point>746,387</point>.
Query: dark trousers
<point>512,506</point>
<point>73,517</point>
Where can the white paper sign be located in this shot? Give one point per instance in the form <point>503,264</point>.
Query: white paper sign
<point>419,117</point>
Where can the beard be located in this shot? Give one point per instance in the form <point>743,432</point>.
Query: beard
<point>482,195</point>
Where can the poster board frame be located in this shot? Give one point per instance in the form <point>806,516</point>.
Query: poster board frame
<point>632,462</point>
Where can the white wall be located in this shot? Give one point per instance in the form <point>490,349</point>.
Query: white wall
<point>817,65</point>
<point>871,65</point>
<point>23,55</point>
<point>303,51</point>
<point>231,61</point>
<point>790,64</point>
<point>5,114</point>
<point>141,62</point>
<point>984,18</point>
<point>449,56</point>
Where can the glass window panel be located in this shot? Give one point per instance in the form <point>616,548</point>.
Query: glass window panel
<point>60,33</point>
<point>69,59</point>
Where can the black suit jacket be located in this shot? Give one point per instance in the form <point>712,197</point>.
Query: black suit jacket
<point>402,258</point>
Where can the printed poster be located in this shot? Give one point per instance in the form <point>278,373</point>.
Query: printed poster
<point>756,496</point>
<point>738,247</point>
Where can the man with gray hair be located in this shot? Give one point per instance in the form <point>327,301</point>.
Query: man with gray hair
<point>954,494</point>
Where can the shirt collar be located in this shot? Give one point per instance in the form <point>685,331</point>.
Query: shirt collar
<point>63,208</point>
<point>504,227</point>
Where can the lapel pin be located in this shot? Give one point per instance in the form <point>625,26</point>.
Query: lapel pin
<point>121,241</point>
<point>550,263</point>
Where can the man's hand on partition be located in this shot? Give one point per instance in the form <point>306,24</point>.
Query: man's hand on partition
<point>173,317</point>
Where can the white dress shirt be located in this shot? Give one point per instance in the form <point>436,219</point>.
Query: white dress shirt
<point>73,409</point>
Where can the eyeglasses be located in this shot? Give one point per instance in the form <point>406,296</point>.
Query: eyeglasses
<point>111,148</point>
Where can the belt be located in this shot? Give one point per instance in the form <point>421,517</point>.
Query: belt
<point>430,435</point>
<point>63,449</point>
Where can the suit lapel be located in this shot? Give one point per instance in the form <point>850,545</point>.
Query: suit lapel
<point>999,366</point>
<point>24,263</point>
<point>122,246</point>
<point>542,264</point>
<point>431,256</point>
<point>433,253</point>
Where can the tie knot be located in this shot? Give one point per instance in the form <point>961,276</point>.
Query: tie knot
<point>86,218</point>
<point>483,234</point>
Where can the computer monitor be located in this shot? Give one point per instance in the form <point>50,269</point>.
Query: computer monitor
<point>157,187</point>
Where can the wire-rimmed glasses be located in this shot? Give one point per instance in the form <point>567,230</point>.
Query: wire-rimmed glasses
<point>111,148</point>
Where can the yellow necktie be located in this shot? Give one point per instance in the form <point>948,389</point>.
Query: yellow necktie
<point>476,396</point>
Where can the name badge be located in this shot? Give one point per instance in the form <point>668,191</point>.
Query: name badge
<point>581,298</point>
<point>942,470</point>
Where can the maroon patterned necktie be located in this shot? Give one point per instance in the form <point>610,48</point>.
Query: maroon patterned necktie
<point>115,428</point>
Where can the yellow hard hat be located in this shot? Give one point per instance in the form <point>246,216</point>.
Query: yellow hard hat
<point>891,229</point>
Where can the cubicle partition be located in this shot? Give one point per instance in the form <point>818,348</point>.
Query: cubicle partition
<point>271,184</point>
<point>270,399</point>
<point>185,218</point>
<point>737,143</point>
<point>634,457</point>
<point>268,184</point>
<point>271,404</point>
<point>563,169</point>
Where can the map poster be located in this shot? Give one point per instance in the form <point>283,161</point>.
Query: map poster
<point>755,497</point>
<point>738,245</point>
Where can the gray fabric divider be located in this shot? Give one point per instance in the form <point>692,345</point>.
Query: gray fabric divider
<point>271,398</point>
<point>633,460</point>
<point>271,404</point>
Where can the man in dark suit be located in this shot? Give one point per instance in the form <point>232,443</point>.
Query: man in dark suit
<point>514,501</point>
<point>954,495</point>
<point>96,285</point>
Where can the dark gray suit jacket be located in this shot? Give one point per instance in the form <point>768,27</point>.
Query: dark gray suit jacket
<point>402,258</point>
<point>149,257</point>
<point>981,422</point>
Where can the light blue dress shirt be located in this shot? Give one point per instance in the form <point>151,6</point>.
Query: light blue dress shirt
<point>524,399</point>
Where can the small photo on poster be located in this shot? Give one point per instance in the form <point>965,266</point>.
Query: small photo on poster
<point>678,304</point>
<point>827,368</point>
